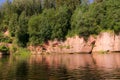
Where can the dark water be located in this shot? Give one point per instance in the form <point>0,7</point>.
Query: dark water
<point>61,67</point>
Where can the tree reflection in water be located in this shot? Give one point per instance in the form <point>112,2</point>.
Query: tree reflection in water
<point>22,70</point>
<point>61,67</point>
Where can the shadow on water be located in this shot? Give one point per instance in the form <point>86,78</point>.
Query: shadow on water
<point>22,70</point>
<point>4,63</point>
<point>38,71</point>
<point>61,67</point>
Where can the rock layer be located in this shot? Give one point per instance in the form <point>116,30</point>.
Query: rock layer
<point>104,42</point>
<point>107,42</point>
<point>71,45</point>
<point>116,43</point>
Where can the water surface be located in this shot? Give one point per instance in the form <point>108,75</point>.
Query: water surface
<point>61,67</point>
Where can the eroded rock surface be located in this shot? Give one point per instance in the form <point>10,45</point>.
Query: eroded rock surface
<point>107,41</point>
<point>104,42</point>
<point>70,45</point>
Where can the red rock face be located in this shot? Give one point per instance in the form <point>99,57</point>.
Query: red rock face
<point>104,42</point>
<point>116,43</point>
<point>71,45</point>
<point>35,49</point>
<point>89,45</point>
<point>107,42</point>
<point>6,33</point>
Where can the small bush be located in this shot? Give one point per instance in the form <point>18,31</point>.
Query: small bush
<point>5,39</point>
<point>4,49</point>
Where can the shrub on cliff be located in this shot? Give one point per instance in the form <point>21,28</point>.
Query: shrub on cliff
<point>13,23</point>
<point>4,49</point>
<point>5,39</point>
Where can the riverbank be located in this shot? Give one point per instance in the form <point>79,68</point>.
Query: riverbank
<point>105,42</point>
<point>102,43</point>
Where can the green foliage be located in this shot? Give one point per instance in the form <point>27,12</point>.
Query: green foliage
<point>22,53</point>
<point>111,20</point>
<point>13,23</point>
<point>37,21</point>
<point>4,49</point>
<point>71,4</point>
<point>31,7</point>
<point>99,16</point>
<point>61,23</point>
<point>39,27</point>
<point>22,35</point>
<point>48,4</point>
<point>5,39</point>
<point>13,49</point>
<point>84,21</point>
<point>47,26</point>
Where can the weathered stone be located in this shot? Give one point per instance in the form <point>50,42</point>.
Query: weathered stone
<point>117,43</point>
<point>104,42</point>
<point>0,53</point>
<point>89,45</point>
<point>74,44</point>
<point>6,33</point>
<point>35,49</point>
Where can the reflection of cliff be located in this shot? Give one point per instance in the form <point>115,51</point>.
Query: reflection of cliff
<point>75,61</point>
<point>61,67</point>
<point>4,66</point>
<point>70,61</point>
<point>107,60</point>
<point>35,58</point>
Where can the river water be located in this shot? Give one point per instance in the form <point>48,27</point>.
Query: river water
<point>61,67</point>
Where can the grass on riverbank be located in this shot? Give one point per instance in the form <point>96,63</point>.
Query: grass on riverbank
<point>23,53</point>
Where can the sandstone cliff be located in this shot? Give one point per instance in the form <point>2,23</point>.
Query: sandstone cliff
<point>104,42</point>
<point>107,41</point>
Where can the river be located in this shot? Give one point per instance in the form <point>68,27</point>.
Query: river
<point>61,67</point>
